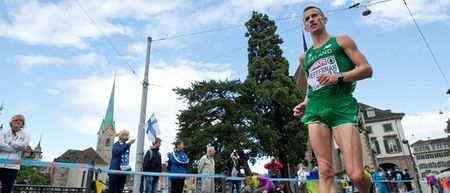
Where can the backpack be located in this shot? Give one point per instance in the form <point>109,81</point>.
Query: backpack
<point>169,164</point>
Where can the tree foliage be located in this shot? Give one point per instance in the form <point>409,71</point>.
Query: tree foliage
<point>447,129</point>
<point>255,116</point>
<point>216,117</point>
<point>31,176</point>
<point>274,93</point>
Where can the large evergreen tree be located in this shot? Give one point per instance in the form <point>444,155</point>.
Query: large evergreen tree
<point>273,94</point>
<point>254,117</point>
<point>214,117</point>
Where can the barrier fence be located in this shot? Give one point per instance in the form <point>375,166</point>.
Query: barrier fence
<point>92,169</point>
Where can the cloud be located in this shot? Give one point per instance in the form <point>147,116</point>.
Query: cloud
<point>87,98</point>
<point>394,14</point>
<point>65,24</point>
<point>424,125</point>
<point>337,3</point>
<point>29,62</point>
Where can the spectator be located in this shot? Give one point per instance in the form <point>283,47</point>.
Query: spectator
<point>12,142</point>
<point>281,188</point>
<point>178,163</point>
<point>431,181</point>
<point>274,168</point>
<point>234,166</point>
<point>302,174</point>
<point>120,161</point>
<point>152,163</point>
<point>206,166</point>
<point>407,179</point>
<point>380,180</point>
<point>258,184</point>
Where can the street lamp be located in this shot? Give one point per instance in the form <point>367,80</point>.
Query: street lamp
<point>405,141</point>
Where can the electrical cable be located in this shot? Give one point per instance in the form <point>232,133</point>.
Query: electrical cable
<point>427,44</point>
<point>107,39</point>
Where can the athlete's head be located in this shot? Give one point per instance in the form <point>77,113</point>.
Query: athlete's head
<point>313,19</point>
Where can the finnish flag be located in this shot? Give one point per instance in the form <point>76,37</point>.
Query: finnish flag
<point>151,128</point>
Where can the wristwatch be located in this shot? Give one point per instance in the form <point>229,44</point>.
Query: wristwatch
<point>340,78</point>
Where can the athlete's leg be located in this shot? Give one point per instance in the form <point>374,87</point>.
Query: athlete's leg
<point>349,142</point>
<point>320,139</point>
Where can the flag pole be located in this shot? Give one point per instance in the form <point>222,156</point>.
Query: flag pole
<point>140,137</point>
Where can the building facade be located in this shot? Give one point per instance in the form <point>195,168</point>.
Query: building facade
<point>385,133</point>
<point>69,177</point>
<point>432,155</point>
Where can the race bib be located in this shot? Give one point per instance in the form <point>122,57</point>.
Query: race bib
<point>326,65</point>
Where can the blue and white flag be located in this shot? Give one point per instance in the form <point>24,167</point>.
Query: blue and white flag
<point>151,128</point>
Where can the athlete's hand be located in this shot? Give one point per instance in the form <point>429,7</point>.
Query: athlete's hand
<point>299,110</point>
<point>327,79</point>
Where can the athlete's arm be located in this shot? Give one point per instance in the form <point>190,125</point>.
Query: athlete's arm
<point>299,110</point>
<point>363,69</point>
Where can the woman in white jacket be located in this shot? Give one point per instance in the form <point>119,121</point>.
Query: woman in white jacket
<point>12,142</point>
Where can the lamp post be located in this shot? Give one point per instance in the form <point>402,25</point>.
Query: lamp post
<point>405,141</point>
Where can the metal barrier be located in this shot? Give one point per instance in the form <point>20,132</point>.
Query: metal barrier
<point>21,188</point>
<point>91,168</point>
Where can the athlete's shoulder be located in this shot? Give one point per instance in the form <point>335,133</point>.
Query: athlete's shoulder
<point>345,41</point>
<point>302,58</point>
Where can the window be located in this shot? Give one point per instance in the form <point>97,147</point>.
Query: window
<point>429,156</point>
<point>441,164</point>
<point>416,150</point>
<point>423,166</point>
<point>387,127</point>
<point>432,165</point>
<point>436,155</point>
<point>448,163</point>
<point>445,154</point>
<point>370,112</point>
<point>419,157</point>
<point>374,145</point>
<point>108,141</point>
<point>392,145</point>
<point>369,129</point>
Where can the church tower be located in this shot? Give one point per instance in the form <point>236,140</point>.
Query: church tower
<point>107,131</point>
<point>38,150</point>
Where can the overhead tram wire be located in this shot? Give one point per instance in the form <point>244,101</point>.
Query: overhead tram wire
<point>107,39</point>
<point>428,45</point>
<point>332,12</point>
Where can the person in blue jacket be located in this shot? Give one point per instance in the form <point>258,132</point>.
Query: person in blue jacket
<point>380,180</point>
<point>178,163</point>
<point>120,160</point>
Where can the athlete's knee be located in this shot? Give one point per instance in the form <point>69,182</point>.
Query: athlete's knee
<point>326,170</point>
<point>357,175</point>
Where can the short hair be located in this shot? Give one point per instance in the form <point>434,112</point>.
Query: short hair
<point>209,148</point>
<point>122,133</point>
<point>17,117</point>
<point>314,7</point>
<point>157,139</point>
<point>178,142</point>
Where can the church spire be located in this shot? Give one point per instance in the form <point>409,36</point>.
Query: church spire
<point>38,148</point>
<point>108,121</point>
